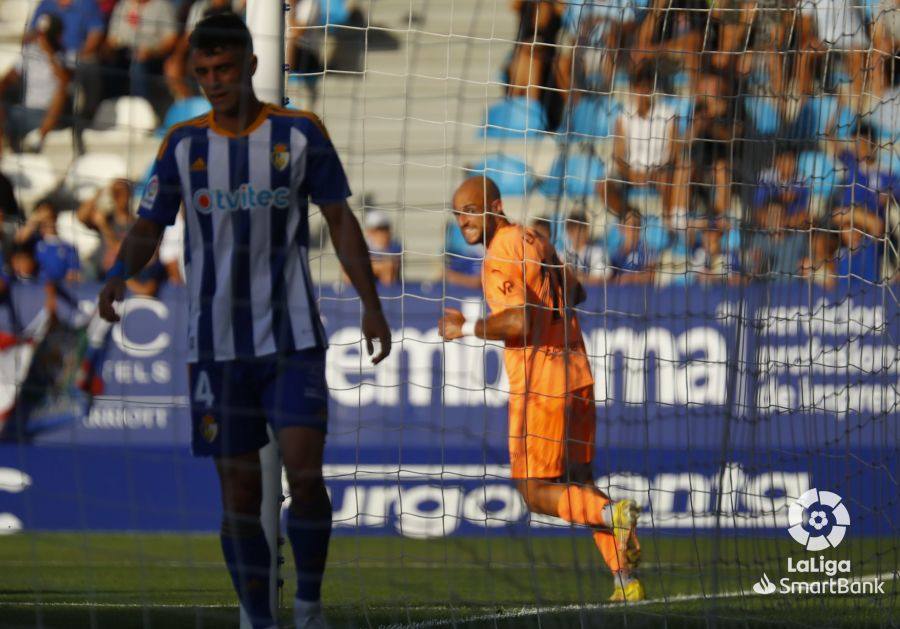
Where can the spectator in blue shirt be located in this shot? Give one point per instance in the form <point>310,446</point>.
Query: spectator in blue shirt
<point>586,258</point>
<point>781,194</point>
<point>861,246</point>
<point>848,260</point>
<point>710,261</point>
<point>866,187</point>
<point>462,261</point>
<point>858,259</point>
<point>57,261</point>
<point>385,252</point>
<point>632,262</point>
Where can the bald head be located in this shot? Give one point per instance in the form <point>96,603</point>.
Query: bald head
<point>478,209</point>
<point>480,190</point>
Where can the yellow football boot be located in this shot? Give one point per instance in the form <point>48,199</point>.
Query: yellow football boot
<point>630,592</point>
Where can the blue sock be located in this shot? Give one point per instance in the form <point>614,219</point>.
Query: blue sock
<point>248,560</point>
<point>309,540</point>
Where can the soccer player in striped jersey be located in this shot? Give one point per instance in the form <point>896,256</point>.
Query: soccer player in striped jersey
<point>244,173</point>
<point>552,417</point>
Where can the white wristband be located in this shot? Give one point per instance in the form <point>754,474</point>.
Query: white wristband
<point>468,328</point>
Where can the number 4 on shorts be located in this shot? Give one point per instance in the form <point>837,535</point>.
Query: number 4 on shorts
<point>203,391</point>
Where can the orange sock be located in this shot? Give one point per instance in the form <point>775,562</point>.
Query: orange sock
<point>582,505</point>
<point>606,544</point>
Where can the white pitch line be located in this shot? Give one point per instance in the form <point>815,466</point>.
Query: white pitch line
<point>589,607</point>
<point>118,605</point>
<point>518,613</point>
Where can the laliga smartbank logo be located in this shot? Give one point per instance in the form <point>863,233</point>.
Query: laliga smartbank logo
<point>818,520</point>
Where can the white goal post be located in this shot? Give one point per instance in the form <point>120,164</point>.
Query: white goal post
<point>265,18</point>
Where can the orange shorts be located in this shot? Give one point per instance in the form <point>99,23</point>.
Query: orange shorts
<point>547,433</point>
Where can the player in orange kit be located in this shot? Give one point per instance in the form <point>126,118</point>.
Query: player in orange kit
<point>552,417</point>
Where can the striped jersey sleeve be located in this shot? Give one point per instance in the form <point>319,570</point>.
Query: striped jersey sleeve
<point>162,194</point>
<point>325,179</point>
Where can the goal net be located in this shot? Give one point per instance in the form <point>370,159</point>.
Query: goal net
<point>720,176</point>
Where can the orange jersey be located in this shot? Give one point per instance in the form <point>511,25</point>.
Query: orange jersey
<point>521,269</point>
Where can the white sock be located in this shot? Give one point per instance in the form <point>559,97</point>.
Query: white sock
<point>307,608</point>
<point>607,515</point>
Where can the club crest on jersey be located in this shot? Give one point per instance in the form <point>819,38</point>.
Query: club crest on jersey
<point>150,192</point>
<point>281,157</point>
<point>209,428</point>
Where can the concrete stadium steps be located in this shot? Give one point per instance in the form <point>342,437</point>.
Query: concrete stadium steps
<point>408,127</point>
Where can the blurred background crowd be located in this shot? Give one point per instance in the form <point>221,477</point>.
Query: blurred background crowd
<point>692,141</point>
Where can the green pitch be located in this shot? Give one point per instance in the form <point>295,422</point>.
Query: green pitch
<point>175,581</point>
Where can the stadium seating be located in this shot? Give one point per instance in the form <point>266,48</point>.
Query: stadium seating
<point>120,121</point>
<point>590,119</point>
<point>825,113</point>
<point>92,171</point>
<point>135,113</point>
<point>613,239</point>
<point>14,17</point>
<point>574,174</point>
<point>333,12</point>
<point>885,116</point>
<point>762,114</point>
<point>9,55</point>
<point>182,110</point>
<point>32,176</point>
<point>731,240</point>
<point>509,173</point>
<point>654,234</point>
<point>684,110</point>
<point>125,112</point>
<point>819,171</point>
<point>844,124</point>
<point>514,117</point>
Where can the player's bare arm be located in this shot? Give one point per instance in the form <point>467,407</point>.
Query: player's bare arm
<point>353,253</point>
<point>138,247</point>
<point>511,325</point>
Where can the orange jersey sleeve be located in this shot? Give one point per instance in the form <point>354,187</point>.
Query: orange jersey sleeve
<point>521,269</point>
<point>508,273</point>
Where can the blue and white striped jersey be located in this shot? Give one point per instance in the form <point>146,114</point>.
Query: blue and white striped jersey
<point>246,228</point>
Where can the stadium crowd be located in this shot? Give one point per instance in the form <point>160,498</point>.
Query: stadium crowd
<point>721,141</point>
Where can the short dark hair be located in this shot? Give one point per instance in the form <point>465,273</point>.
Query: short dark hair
<point>51,201</point>
<point>222,30</point>
<point>26,248</point>
<point>644,74</point>
<point>866,132</point>
<point>577,218</point>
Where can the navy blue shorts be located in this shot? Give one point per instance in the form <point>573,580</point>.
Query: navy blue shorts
<point>231,401</point>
